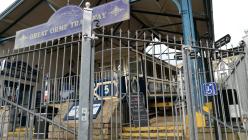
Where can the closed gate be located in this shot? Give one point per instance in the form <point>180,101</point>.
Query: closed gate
<point>39,84</point>
<point>145,87</point>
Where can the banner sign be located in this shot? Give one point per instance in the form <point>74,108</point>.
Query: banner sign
<point>110,13</point>
<point>73,113</point>
<point>68,20</point>
<point>18,69</point>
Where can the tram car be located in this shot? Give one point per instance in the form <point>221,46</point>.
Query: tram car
<point>134,72</point>
<point>131,75</point>
<point>118,73</point>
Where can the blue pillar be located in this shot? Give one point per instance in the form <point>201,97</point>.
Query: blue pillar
<point>189,40</point>
<point>188,24</point>
<point>185,9</point>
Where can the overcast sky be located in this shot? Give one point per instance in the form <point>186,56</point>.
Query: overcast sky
<point>230,17</point>
<point>4,4</point>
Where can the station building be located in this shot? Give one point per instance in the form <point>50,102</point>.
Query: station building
<point>139,88</point>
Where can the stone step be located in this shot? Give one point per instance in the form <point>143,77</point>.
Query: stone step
<point>159,129</point>
<point>151,135</point>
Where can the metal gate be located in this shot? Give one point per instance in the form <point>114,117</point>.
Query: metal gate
<point>146,86</point>
<point>39,85</point>
<point>154,87</point>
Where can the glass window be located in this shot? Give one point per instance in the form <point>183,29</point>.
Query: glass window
<point>149,68</point>
<point>158,71</point>
<point>133,67</point>
<point>166,73</point>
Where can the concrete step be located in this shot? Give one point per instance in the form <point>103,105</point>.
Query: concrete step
<point>16,134</point>
<point>152,132</point>
<point>19,132</point>
<point>151,135</point>
<point>159,129</point>
<point>22,129</point>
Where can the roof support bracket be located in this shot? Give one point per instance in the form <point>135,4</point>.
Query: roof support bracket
<point>177,3</point>
<point>51,6</point>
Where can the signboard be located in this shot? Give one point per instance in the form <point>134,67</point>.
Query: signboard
<point>138,109</point>
<point>192,54</point>
<point>73,113</point>
<point>223,41</point>
<point>209,89</point>
<point>96,108</point>
<point>112,12</point>
<point>18,69</point>
<point>105,88</point>
<point>68,20</point>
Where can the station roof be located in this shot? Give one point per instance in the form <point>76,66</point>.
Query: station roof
<point>153,16</point>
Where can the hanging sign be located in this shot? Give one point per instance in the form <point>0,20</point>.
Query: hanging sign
<point>68,20</point>
<point>110,13</point>
<point>105,88</point>
<point>222,41</point>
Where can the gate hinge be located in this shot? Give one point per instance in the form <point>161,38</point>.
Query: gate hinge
<point>93,36</point>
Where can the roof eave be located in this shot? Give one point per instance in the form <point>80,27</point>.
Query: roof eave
<point>10,9</point>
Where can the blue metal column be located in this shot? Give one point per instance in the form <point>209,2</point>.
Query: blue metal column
<point>185,9</point>
<point>188,24</point>
<point>189,40</point>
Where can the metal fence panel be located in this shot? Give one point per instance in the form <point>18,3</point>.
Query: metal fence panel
<point>142,89</point>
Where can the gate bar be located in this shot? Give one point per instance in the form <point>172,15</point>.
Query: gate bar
<point>189,93</point>
<point>37,115</point>
<point>86,77</point>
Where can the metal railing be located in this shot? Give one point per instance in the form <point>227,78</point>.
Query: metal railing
<point>144,88</point>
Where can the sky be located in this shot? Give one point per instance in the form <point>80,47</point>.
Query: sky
<point>230,17</point>
<point>4,4</point>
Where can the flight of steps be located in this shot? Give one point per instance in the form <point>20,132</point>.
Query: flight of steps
<point>159,127</point>
<point>152,132</point>
<point>19,133</point>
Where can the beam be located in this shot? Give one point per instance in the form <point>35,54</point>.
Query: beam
<point>143,24</point>
<point>10,9</point>
<point>209,12</point>
<point>164,14</point>
<point>116,27</point>
<point>6,38</point>
<point>152,31</point>
<point>133,1</point>
<point>21,17</point>
<point>51,6</point>
<point>98,2</point>
<point>80,4</point>
<point>168,31</point>
<point>154,27</point>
